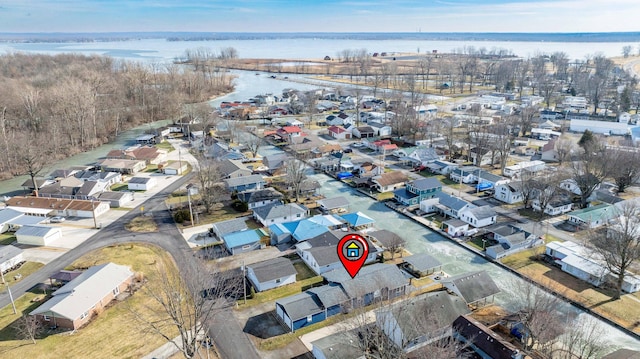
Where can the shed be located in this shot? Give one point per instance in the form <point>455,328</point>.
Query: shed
<point>421,264</point>
<point>9,257</point>
<point>476,288</point>
<point>271,273</point>
<point>175,168</point>
<point>243,241</point>
<point>333,204</point>
<point>38,235</point>
<point>116,199</point>
<point>141,183</point>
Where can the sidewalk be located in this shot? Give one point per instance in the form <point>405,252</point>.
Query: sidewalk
<point>307,339</point>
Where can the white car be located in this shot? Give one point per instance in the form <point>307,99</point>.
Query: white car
<point>57,219</point>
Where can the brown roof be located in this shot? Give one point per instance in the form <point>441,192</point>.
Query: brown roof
<point>329,147</point>
<point>51,203</point>
<point>140,153</point>
<point>390,178</point>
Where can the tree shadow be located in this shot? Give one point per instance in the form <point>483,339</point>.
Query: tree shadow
<point>264,326</point>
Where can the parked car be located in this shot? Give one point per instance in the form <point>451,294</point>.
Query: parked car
<point>57,219</point>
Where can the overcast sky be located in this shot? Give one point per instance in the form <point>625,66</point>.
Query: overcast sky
<point>319,16</point>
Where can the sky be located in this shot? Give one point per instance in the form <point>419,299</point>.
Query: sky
<point>319,15</point>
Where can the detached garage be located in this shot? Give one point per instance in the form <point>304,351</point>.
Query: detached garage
<point>38,235</point>
<point>9,257</point>
<point>141,183</point>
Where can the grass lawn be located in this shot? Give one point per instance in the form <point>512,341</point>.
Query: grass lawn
<point>112,334</point>
<point>142,224</point>
<point>385,196</point>
<point>151,168</point>
<point>165,145</point>
<point>7,238</point>
<point>120,187</point>
<point>625,311</point>
<point>25,270</point>
<point>304,272</point>
<point>217,215</point>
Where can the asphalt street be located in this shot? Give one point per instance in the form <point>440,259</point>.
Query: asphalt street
<point>232,341</point>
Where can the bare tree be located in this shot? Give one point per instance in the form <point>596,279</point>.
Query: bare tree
<point>27,327</point>
<point>209,180</point>
<point>625,166</point>
<point>547,190</point>
<point>186,304</point>
<point>32,158</point>
<point>619,243</point>
<point>527,186</point>
<point>591,168</point>
<point>253,143</point>
<point>395,244</point>
<point>585,339</point>
<point>295,173</point>
<point>626,50</point>
<point>564,148</point>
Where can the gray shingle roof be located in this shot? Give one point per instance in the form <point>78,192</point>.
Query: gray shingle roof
<point>334,202</point>
<point>422,262</point>
<point>474,286</point>
<point>325,255</point>
<point>300,305</point>
<point>452,202</point>
<point>483,212</point>
<point>244,180</point>
<point>485,176</point>
<point>259,195</point>
<point>426,183</point>
<point>341,345</point>
<point>272,269</point>
<point>227,167</point>
<point>36,231</point>
<point>230,226</point>
<point>370,279</point>
<point>330,295</point>
<point>277,210</point>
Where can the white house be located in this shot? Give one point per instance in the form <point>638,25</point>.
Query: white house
<point>509,192</point>
<point>175,168</point>
<point>10,256</point>
<point>571,185</point>
<point>279,213</point>
<point>479,216</point>
<point>464,174</point>
<point>380,129</point>
<point>339,133</point>
<point>531,166</point>
<point>601,127</point>
<point>560,203</point>
<point>271,273</point>
<point>511,239</point>
<point>38,235</point>
<point>141,183</point>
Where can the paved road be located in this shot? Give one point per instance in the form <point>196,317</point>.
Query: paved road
<point>234,343</point>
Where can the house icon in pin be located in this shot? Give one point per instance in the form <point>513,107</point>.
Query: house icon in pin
<point>353,251</point>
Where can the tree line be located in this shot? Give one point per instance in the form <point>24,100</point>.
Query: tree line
<point>52,107</point>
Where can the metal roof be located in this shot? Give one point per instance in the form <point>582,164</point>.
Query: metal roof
<point>36,231</point>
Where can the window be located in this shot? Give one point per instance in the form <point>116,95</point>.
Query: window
<point>309,318</point>
<point>278,280</point>
<point>116,291</point>
<point>246,247</point>
<point>298,215</point>
<point>84,315</point>
<point>46,318</point>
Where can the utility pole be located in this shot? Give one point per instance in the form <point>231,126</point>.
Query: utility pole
<point>93,212</point>
<point>190,209</point>
<point>13,305</point>
<point>244,283</point>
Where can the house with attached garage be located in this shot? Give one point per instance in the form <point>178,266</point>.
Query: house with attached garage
<point>233,169</point>
<point>74,304</point>
<point>363,132</point>
<point>116,199</point>
<point>476,288</point>
<point>127,167</point>
<point>418,190</point>
<point>229,226</point>
<point>279,213</point>
<point>243,241</point>
<point>245,183</point>
<point>442,167</point>
<point>298,231</point>
<point>271,273</point>
<point>10,256</point>
<point>339,133</point>
<point>511,238</point>
<point>446,205</point>
<point>420,320</point>
<point>261,197</point>
<point>479,217</point>
<point>389,181</point>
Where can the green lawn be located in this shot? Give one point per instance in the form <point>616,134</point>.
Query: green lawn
<point>25,270</point>
<point>120,187</point>
<point>304,272</point>
<point>151,168</point>
<point>281,292</point>
<point>7,238</point>
<point>165,145</point>
<point>385,196</point>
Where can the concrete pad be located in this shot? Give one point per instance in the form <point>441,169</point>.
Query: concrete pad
<point>42,254</point>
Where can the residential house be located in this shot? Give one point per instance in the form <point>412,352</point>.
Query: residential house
<point>141,183</point>
<point>340,119</point>
<point>37,235</point>
<point>483,156</point>
<point>592,217</point>
<point>271,273</point>
<point>287,133</point>
<point>418,190</point>
<point>486,180</point>
<point>441,167</point>
<point>420,320</point>
<point>229,226</point>
<point>127,167</point>
<point>42,206</point>
<point>279,213</point>
<point>584,264</point>
<point>340,345</point>
<point>260,197</point>
<point>275,162</point>
<point>373,283</point>
<point>571,185</point>
<point>466,174</point>
<point>327,149</point>
<point>381,146</point>
<point>108,178</point>
<point>549,153</point>
<point>423,156</point>
<point>511,239</point>
<point>479,217</point>
<point>510,193</point>
<point>380,129</point>
<point>339,133</point>
<point>75,303</point>
<point>148,154</point>
<point>116,199</point>
<point>11,220</point>
<point>41,182</point>
<point>530,166</point>
<point>446,205</point>
<point>389,181</point>
<point>245,183</point>
<point>307,308</point>
<point>560,202</point>
<point>455,227</point>
<point>243,241</point>
<point>10,256</point>
<point>60,174</point>
<point>300,230</point>
<point>368,169</point>
<point>484,341</point>
<point>363,132</point>
<point>220,151</point>
<point>175,168</point>
<point>476,288</point>
<point>233,169</point>
<point>147,139</point>
<point>333,204</point>
<point>421,265</point>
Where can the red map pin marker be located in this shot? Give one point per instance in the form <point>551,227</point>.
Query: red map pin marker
<point>353,250</point>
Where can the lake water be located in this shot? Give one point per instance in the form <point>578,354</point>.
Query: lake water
<point>160,50</point>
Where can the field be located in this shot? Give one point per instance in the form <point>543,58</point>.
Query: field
<point>112,334</point>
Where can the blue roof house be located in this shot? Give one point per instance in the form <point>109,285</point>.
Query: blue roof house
<point>243,241</point>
